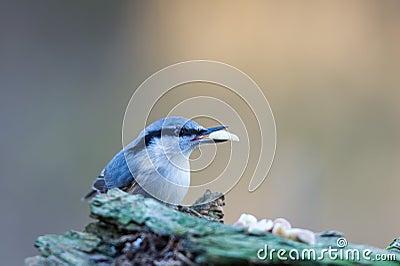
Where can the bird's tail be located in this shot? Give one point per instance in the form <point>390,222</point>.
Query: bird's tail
<point>99,186</point>
<point>89,195</point>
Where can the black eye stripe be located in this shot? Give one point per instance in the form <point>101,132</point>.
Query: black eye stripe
<point>171,132</point>
<point>157,134</point>
<point>190,132</point>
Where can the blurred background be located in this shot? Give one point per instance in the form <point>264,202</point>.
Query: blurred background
<point>329,69</point>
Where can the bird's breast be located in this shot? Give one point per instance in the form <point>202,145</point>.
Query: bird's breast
<point>164,179</point>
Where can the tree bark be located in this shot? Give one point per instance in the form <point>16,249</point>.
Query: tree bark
<point>131,229</point>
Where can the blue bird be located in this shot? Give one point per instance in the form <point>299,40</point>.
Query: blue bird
<point>156,163</point>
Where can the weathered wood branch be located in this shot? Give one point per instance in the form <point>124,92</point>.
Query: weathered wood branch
<point>131,229</point>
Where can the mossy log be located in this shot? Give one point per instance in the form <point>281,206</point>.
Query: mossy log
<point>133,230</point>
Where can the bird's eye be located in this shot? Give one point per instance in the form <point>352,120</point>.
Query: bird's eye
<point>183,132</point>
<point>190,132</point>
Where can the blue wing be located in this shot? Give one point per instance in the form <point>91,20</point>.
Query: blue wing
<point>117,174</point>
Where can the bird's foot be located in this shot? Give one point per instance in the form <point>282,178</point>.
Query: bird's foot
<point>208,207</point>
<point>190,210</point>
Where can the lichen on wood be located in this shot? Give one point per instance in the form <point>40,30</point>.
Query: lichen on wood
<point>133,230</point>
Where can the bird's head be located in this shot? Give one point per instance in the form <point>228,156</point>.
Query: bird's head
<point>179,135</point>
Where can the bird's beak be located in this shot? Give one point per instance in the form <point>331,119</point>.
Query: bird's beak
<point>216,135</point>
<point>213,129</point>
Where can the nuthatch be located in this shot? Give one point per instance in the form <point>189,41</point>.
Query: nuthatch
<point>156,163</point>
